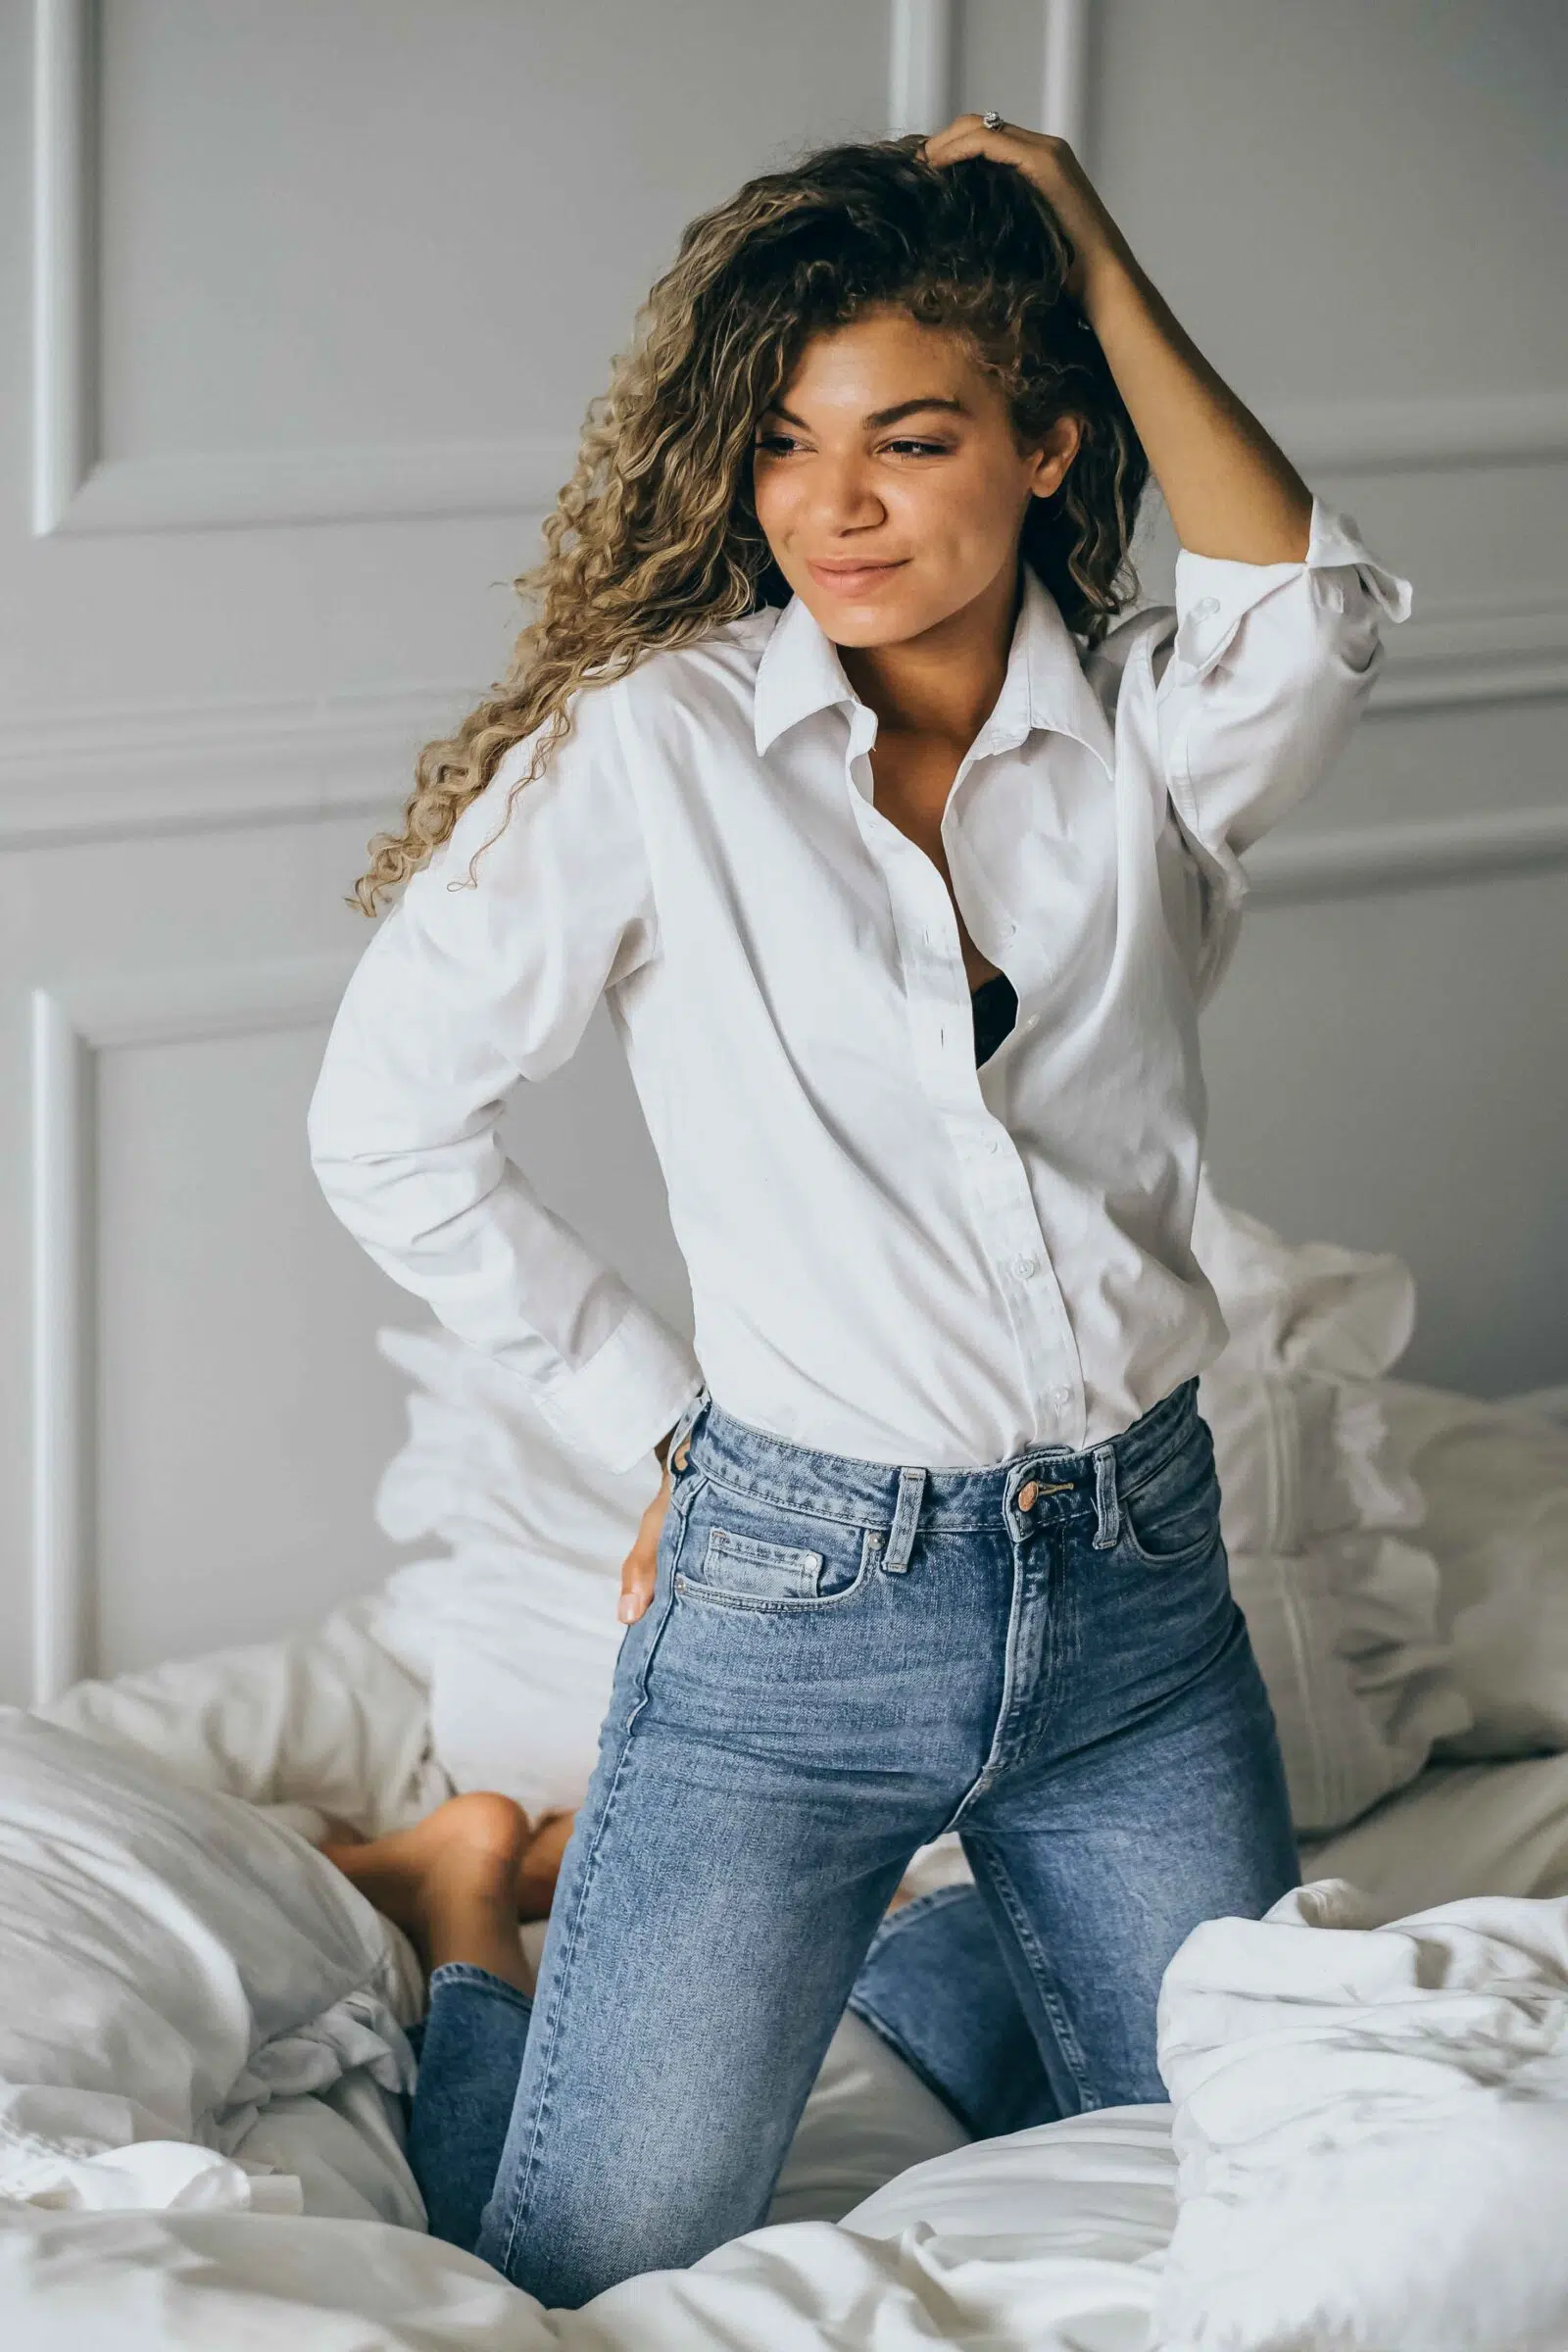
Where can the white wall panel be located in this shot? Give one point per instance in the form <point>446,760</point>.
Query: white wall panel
<point>1343,201</point>
<point>1387,1071</point>
<point>229,1321</point>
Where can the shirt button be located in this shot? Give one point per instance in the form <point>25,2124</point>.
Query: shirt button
<point>993,1142</point>
<point>1061,1399</point>
<point>1023,1266</point>
<point>1206,603</point>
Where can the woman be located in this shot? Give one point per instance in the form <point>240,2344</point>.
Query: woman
<point>846,736</point>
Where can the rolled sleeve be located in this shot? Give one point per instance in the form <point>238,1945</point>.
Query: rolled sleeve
<point>1267,668</point>
<point>461,993</point>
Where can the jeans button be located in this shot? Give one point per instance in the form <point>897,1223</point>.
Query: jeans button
<point>1027,1495</point>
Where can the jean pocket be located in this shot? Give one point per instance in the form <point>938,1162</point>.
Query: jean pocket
<point>1170,1519</point>
<point>742,1552</point>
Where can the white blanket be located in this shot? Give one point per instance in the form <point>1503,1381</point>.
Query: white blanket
<point>1372,2128</point>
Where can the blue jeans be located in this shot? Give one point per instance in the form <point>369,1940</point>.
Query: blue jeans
<point>934,1986</point>
<point>841,1660</point>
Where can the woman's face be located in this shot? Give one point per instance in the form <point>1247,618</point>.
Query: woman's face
<point>887,481</point>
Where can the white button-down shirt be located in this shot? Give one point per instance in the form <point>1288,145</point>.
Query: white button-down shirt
<point>892,1253</point>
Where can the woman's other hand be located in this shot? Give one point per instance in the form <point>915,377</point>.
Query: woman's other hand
<point>640,1565</point>
<point>1058,175</point>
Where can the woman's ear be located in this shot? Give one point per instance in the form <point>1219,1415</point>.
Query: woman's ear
<point>1056,453</point>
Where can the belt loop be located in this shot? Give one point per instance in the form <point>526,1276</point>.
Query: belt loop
<point>1107,1503</point>
<point>683,1427</point>
<point>906,1517</point>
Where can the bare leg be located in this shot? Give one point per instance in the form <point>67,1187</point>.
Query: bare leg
<point>541,1865</point>
<point>455,1882</point>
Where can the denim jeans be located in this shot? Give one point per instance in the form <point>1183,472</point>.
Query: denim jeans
<point>934,1986</point>
<point>843,1659</point>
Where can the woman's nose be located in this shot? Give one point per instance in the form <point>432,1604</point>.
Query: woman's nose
<point>844,495</point>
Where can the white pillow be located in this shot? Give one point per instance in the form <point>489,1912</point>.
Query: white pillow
<point>1371,2127</point>
<point>172,1962</point>
<point>1318,1511</point>
<point>513,1629</point>
<point>1495,1479</point>
<point>320,1723</point>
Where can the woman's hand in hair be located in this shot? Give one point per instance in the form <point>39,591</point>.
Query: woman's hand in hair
<point>1058,175</point>
<point>1229,489</point>
<point>640,1564</point>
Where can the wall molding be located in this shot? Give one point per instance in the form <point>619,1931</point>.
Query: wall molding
<point>1064,73</point>
<point>1483,846</point>
<point>73,1022</point>
<point>65,255</point>
<point>414,481</point>
<point>922,65</point>
<point>1472,433</point>
<point>112,773</point>
<point>70,775</point>
<point>1484,650</point>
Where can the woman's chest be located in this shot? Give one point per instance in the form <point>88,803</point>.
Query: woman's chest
<point>911,784</point>
<point>811,876</point>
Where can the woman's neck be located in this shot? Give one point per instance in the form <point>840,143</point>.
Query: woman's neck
<point>941,686</point>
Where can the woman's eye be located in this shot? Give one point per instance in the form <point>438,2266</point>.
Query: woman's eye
<point>784,443</point>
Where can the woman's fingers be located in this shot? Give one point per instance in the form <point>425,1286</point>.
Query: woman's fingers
<point>641,1564</point>
<point>1055,170</point>
<point>1010,142</point>
<point>636,1583</point>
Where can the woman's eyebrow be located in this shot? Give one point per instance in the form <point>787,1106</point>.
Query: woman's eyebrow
<point>879,416</point>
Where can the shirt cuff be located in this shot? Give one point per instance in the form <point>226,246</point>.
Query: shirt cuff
<point>618,1404</point>
<point>1215,593</point>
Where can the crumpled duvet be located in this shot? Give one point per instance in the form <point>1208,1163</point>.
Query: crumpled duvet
<point>174,1967</point>
<point>1371,2127</point>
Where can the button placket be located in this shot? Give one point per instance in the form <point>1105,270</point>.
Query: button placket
<point>1007,1216</point>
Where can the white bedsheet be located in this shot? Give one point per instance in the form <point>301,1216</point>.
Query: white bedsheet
<point>216,2282</point>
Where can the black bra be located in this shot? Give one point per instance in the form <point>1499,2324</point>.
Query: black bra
<point>995,1005</point>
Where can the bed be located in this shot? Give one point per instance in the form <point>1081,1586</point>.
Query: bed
<point>203,2052</point>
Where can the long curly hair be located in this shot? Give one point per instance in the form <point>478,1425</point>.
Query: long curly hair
<point>654,540</point>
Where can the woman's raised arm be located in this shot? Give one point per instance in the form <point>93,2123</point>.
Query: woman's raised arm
<point>1231,491</point>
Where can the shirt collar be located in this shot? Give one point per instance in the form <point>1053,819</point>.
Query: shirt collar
<point>800,673</point>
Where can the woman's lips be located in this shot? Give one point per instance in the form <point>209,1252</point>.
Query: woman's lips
<point>854,579</point>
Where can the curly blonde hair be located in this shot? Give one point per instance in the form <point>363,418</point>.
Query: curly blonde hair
<point>654,540</point>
